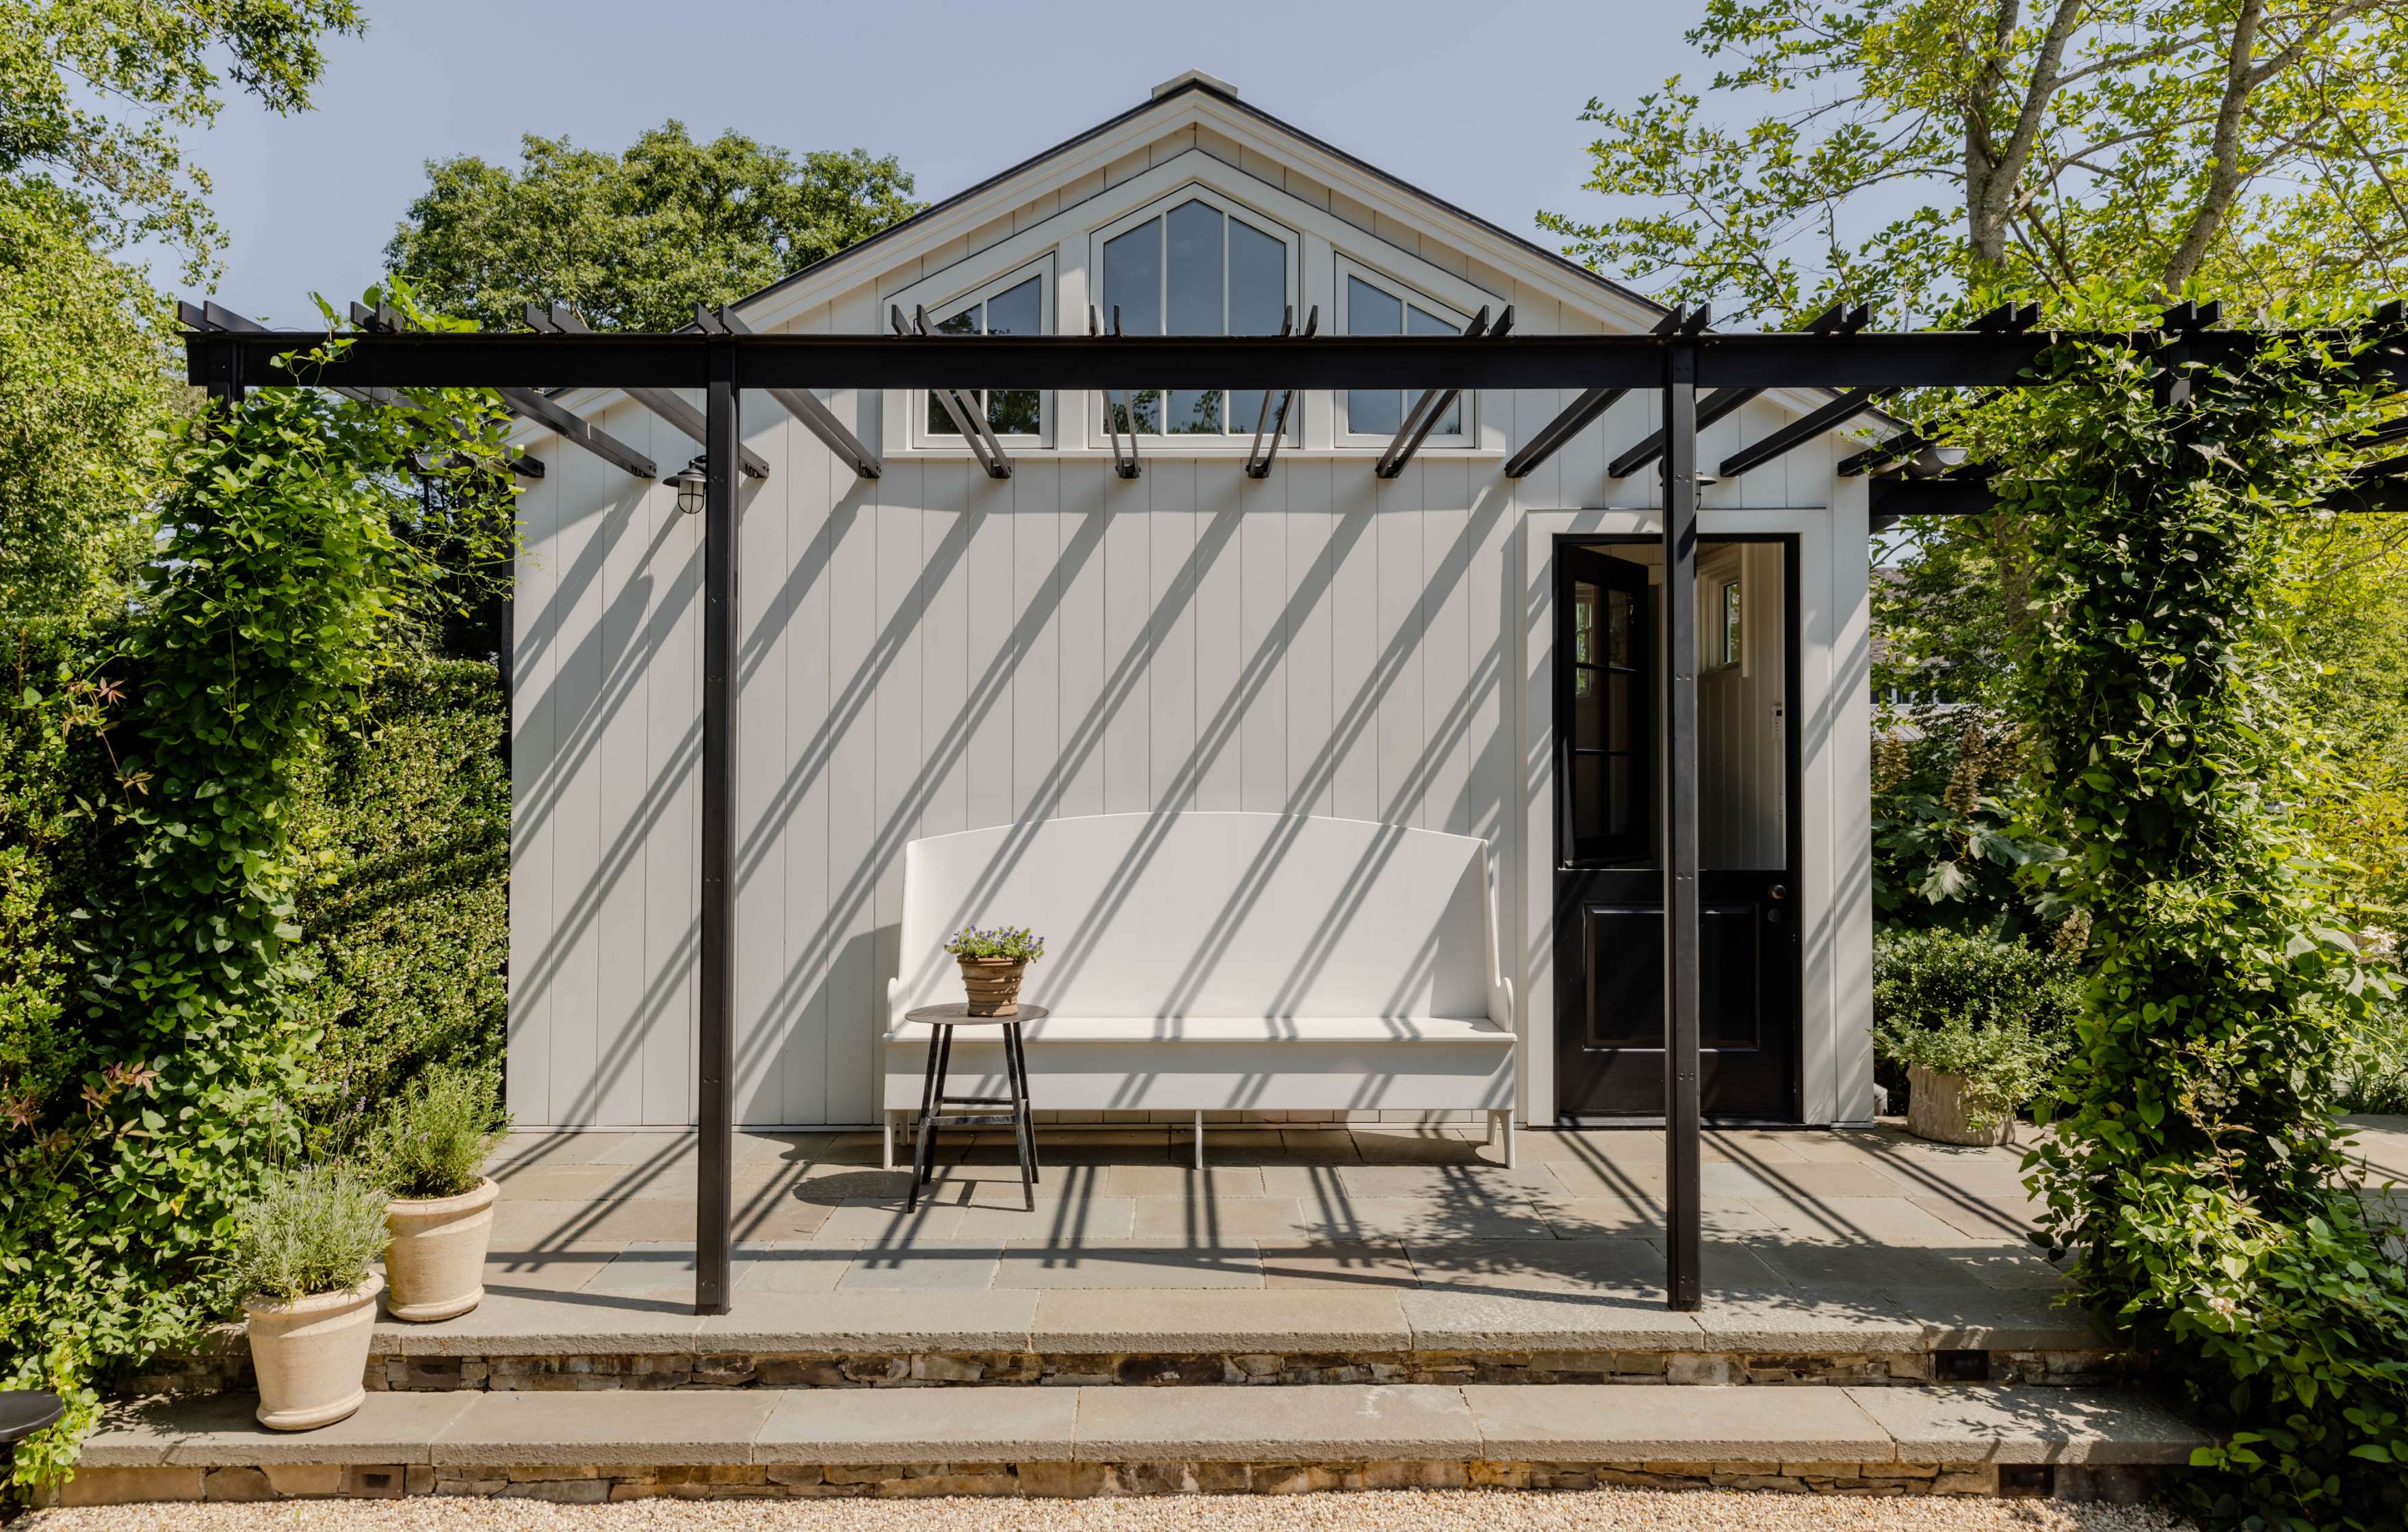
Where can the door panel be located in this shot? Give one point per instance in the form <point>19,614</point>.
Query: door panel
<point>1609,910</point>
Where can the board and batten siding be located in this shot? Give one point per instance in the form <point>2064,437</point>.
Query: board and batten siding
<point>934,650</point>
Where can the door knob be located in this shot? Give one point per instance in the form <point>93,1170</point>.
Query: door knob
<point>1778,892</point>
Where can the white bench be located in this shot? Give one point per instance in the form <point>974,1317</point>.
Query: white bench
<point>1219,962</point>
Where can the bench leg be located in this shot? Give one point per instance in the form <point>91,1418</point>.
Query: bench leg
<point>1506,1119</point>
<point>1199,1142</point>
<point>886,1120</point>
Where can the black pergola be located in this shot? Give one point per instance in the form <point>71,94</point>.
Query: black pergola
<point>719,357</point>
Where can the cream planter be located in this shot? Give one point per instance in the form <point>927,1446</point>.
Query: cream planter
<point>1936,1109</point>
<point>436,1260</point>
<point>311,1355</point>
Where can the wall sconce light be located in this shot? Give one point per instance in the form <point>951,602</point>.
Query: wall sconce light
<point>690,482</point>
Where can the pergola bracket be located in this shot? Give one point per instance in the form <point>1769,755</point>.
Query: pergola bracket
<point>1125,459</point>
<point>1270,427</point>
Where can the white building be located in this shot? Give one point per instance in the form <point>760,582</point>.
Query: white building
<point>935,649</point>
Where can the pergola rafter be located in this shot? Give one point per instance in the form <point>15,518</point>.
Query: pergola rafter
<point>1677,359</point>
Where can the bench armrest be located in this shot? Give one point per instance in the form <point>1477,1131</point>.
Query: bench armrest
<point>894,993</point>
<point>1500,1002</point>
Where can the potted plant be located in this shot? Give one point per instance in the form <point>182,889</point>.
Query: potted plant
<point>303,1251</point>
<point>431,1154</point>
<point>992,963</point>
<point>1977,1025</point>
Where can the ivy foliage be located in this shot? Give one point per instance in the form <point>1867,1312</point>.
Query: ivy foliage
<point>2195,1169</point>
<point>279,589</point>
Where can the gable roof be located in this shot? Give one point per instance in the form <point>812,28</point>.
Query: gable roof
<point>1195,82</point>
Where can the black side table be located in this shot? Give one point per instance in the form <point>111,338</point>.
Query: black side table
<point>933,1099</point>
<point>26,1410</point>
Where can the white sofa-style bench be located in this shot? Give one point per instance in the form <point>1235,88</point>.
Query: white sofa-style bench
<point>1219,962</point>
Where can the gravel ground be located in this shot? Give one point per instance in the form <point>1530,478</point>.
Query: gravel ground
<point>1404,1511</point>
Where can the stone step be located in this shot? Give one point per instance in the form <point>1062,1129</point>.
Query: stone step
<point>606,1445</point>
<point>532,1339</point>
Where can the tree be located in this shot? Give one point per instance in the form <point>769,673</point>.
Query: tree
<point>634,241</point>
<point>1946,146</point>
<point>66,64</point>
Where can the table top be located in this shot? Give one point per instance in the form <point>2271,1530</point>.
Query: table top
<point>958,1014</point>
<point>24,1411</point>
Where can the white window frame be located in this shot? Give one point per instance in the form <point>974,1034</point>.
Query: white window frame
<point>1239,439</point>
<point>1410,294</point>
<point>924,438</point>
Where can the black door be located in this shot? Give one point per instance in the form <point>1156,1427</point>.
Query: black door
<point>1608,880</point>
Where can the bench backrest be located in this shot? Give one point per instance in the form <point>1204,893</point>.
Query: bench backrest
<point>1213,914</point>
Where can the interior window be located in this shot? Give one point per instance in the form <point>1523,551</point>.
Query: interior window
<point>1194,271</point>
<point>1017,310</point>
<point>1374,311</point>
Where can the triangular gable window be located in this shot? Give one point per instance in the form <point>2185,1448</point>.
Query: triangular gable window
<point>1195,269</point>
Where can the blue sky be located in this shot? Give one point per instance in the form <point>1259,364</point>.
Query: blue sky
<point>1476,103</point>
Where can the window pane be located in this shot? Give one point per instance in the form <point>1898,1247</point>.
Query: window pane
<point>1147,402</point>
<point>1372,312</point>
<point>1133,278</point>
<point>963,324</point>
<point>1420,323</point>
<point>1192,260</point>
<point>1258,281</point>
<point>1018,310</point>
<point>1246,411</point>
<point>1192,235</point>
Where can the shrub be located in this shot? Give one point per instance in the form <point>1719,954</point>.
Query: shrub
<point>2371,1064</point>
<point>1997,1012</point>
<point>1012,944</point>
<point>313,1230</point>
<point>407,910</point>
<point>440,1130</point>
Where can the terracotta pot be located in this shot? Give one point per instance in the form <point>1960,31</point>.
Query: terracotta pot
<point>436,1260</point>
<point>311,1355</point>
<point>993,985</point>
<point>1936,1109</point>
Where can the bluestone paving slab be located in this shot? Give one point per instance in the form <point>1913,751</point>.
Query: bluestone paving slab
<point>1182,1180</point>
<point>1215,1221</point>
<point>887,1223</point>
<point>2027,1424</point>
<point>530,1148</point>
<point>796,1265</point>
<point>1475,1184</point>
<point>1421,1220</point>
<point>1615,1424</point>
<point>648,1266</point>
<point>1616,1265</point>
<point>1443,1319</point>
<point>562,1271</point>
<point>1627,1218</point>
<point>219,1431</point>
<point>845,1425</point>
<point>653,1148</point>
<point>699,1427</point>
<point>2009,1268</point>
<point>869,1321</point>
<point>1868,1322</point>
<point>1987,1319</point>
<point>1063,1221</point>
<point>1892,1222</point>
<point>1989,1218</point>
<point>549,1324</point>
<point>966,1268</point>
<point>1805,1180</point>
<point>1371,1266</point>
<point>1286,1319</point>
<point>1813,1267</point>
<point>1108,1265</point>
<point>1303,1424</point>
<point>560,1222</point>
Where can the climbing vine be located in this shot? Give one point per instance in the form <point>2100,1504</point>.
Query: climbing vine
<point>2194,1168</point>
<point>282,585</point>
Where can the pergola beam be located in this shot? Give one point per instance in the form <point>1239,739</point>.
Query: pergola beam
<point>526,403</point>
<point>1592,403</point>
<point>1432,404</point>
<point>561,320</point>
<point>803,404</point>
<point>1837,320</point>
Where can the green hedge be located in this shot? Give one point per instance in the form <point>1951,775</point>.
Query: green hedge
<point>406,919</point>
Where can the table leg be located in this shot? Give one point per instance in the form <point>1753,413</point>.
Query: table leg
<point>924,1139</point>
<point>1016,1056</point>
<point>1024,1132</point>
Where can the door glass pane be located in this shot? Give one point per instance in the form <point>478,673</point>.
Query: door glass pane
<point>1617,627</point>
<point>1420,323</point>
<point>1018,310</point>
<point>1588,796</point>
<point>1743,710</point>
<point>1621,816</point>
<point>1372,312</point>
<point>1588,711</point>
<point>1583,623</point>
<point>1621,731</point>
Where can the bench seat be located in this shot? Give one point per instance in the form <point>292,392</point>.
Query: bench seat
<point>1219,963</point>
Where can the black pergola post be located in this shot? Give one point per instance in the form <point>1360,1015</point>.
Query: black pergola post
<point>1680,775</point>
<point>714,1202</point>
